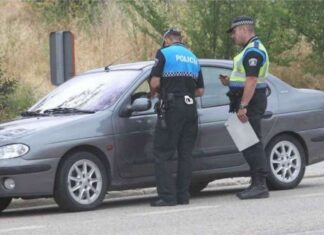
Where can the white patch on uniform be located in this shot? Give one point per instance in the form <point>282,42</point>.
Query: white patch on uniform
<point>156,62</point>
<point>187,59</point>
<point>253,61</point>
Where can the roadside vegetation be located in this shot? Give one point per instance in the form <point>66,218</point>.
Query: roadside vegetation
<point>118,31</point>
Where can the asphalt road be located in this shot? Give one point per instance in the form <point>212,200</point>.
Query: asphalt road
<point>215,211</point>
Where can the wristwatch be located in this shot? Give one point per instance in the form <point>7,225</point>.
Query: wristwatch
<point>243,106</point>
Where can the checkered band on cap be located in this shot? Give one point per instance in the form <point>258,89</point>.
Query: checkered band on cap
<point>240,20</point>
<point>244,22</point>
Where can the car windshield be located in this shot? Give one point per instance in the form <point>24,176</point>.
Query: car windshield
<point>87,92</point>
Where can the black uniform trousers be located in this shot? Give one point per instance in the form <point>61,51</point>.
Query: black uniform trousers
<point>255,155</point>
<point>178,136</point>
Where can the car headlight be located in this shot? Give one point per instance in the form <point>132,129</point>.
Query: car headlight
<point>13,150</point>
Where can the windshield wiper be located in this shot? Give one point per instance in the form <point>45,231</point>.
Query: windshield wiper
<point>66,110</point>
<point>32,114</point>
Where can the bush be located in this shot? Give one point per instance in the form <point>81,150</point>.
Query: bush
<point>7,87</point>
<point>86,12</point>
<point>15,96</point>
<point>19,100</point>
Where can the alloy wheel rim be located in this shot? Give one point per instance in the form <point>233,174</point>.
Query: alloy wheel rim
<point>285,161</point>
<point>84,182</point>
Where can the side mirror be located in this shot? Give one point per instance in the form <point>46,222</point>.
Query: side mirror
<point>140,104</point>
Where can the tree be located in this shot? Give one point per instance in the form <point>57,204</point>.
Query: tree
<point>308,19</point>
<point>150,17</point>
<point>205,23</point>
<point>274,25</point>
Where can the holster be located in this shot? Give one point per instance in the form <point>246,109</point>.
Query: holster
<point>160,109</point>
<point>235,97</point>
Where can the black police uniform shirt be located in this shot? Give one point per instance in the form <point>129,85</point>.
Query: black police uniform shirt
<point>253,59</point>
<point>178,83</point>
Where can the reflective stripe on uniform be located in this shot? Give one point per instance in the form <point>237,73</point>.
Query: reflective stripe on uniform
<point>234,84</point>
<point>238,76</point>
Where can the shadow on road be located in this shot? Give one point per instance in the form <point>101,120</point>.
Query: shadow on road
<point>120,201</point>
<point>24,212</point>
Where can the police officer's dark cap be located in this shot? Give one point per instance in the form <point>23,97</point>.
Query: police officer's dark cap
<point>172,32</point>
<point>240,20</point>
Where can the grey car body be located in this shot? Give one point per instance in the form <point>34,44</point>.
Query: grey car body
<point>119,127</point>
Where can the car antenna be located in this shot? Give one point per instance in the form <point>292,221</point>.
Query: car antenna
<point>107,69</point>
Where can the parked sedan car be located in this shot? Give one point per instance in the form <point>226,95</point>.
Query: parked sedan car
<point>94,133</point>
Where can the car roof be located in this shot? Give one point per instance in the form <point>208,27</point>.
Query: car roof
<point>217,62</point>
<point>136,66</point>
<point>143,64</point>
<point>114,67</point>
<point>148,64</point>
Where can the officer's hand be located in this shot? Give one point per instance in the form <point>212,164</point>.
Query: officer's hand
<point>224,79</point>
<point>241,114</point>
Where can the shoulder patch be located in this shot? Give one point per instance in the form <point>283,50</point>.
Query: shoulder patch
<point>156,61</point>
<point>253,62</point>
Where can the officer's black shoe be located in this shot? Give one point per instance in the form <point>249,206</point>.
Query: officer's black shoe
<point>161,202</point>
<point>183,201</point>
<point>254,193</point>
<point>240,194</point>
<point>252,184</point>
<point>259,190</point>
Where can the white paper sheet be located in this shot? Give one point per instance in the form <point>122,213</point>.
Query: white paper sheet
<point>242,133</point>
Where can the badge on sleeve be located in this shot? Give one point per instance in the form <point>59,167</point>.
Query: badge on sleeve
<point>253,62</point>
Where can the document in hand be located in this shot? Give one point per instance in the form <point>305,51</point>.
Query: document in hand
<point>242,133</point>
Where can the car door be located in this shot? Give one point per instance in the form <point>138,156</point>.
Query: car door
<point>215,148</point>
<point>134,137</point>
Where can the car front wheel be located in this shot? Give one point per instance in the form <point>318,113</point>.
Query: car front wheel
<point>4,203</point>
<point>81,182</point>
<point>286,161</point>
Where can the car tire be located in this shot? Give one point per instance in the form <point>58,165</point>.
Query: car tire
<point>286,162</point>
<point>196,187</point>
<point>81,182</point>
<point>4,203</point>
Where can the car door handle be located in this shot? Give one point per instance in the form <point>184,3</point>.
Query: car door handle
<point>267,115</point>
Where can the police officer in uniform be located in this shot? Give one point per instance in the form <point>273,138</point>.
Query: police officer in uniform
<point>176,78</point>
<point>248,97</point>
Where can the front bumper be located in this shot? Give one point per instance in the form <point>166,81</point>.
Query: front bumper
<point>33,178</point>
<point>17,170</point>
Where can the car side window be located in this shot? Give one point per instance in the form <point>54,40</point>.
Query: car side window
<point>141,91</point>
<point>215,92</point>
